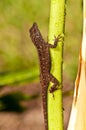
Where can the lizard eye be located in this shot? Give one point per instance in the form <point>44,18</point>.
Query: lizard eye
<point>40,46</point>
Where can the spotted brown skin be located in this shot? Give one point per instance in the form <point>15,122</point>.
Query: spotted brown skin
<point>43,49</point>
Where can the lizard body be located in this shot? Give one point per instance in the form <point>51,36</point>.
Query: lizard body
<point>45,66</point>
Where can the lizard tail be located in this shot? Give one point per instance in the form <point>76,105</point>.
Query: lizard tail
<point>44,99</point>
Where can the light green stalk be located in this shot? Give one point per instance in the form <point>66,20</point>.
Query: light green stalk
<point>56,27</point>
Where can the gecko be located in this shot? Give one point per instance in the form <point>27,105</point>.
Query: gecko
<point>43,49</point>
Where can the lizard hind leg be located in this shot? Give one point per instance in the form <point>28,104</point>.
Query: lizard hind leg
<point>55,85</point>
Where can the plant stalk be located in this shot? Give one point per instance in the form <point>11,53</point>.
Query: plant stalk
<point>56,27</point>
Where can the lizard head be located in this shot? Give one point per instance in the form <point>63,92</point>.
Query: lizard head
<point>35,35</point>
<point>34,32</point>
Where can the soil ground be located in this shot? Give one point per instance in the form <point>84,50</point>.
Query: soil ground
<point>32,117</point>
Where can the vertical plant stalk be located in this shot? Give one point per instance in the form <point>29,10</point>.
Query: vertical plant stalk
<point>78,112</point>
<point>56,27</point>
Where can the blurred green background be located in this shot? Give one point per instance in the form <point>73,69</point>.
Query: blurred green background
<point>18,56</point>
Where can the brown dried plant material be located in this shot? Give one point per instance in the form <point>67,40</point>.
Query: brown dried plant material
<point>78,112</point>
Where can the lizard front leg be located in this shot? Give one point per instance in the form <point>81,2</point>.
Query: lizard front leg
<point>56,40</point>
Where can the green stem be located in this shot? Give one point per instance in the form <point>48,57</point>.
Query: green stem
<point>56,27</point>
